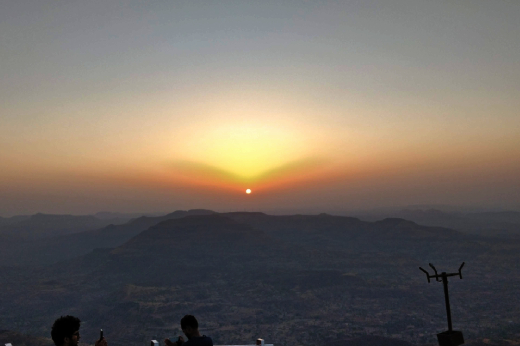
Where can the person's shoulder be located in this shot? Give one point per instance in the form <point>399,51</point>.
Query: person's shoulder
<point>199,341</point>
<point>206,341</point>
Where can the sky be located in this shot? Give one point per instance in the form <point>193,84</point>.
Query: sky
<point>316,106</point>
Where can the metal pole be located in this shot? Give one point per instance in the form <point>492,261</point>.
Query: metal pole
<point>447,299</point>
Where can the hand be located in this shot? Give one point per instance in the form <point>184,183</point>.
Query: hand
<point>167,342</point>
<point>101,342</point>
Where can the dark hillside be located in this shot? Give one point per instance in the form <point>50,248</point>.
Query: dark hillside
<point>340,233</point>
<point>40,226</point>
<point>292,280</point>
<point>20,252</point>
<point>493,224</point>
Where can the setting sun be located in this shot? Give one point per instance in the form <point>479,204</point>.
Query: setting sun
<point>248,191</point>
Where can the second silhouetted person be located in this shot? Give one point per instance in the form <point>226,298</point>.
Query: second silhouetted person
<point>190,328</point>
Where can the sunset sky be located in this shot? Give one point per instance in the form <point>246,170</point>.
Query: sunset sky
<point>317,106</point>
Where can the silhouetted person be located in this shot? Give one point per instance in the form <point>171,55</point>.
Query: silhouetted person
<point>190,328</point>
<point>65,332</point>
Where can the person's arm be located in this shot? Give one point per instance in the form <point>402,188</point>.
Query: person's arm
<point>101,342</point>
<point>168,342</point>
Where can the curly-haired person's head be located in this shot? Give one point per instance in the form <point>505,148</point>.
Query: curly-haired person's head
<point>65,327</point>
<point>189,321</point>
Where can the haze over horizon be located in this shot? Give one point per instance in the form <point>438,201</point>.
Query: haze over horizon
<point>325,107</point>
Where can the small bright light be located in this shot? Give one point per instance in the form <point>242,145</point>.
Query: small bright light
<point>248,191</point>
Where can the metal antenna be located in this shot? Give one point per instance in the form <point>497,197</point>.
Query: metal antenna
<point>450,337</point>
<point>435,270</point>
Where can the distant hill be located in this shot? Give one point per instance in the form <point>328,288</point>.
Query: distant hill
<point>185,235</point>
<point>127,216</point>
<point>40,226</point>
<point>13,219</point>
<point>398,227</point>
<point>193,245</point>
<point>504,223</point>
<point>28,251</point>
<point>341,233</point>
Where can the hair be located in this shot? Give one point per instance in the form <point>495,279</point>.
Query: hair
<point>189,321</point>
<point>63,328</point>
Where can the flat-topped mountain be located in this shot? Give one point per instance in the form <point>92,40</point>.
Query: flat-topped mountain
<point>189,233</point>
<point>209,240</point>
<point>323,223</point>
<point>339,232</point>
<point>190,248</point>
<point>148,221</point>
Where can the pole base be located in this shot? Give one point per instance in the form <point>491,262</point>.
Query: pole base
<point>453,338</point>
